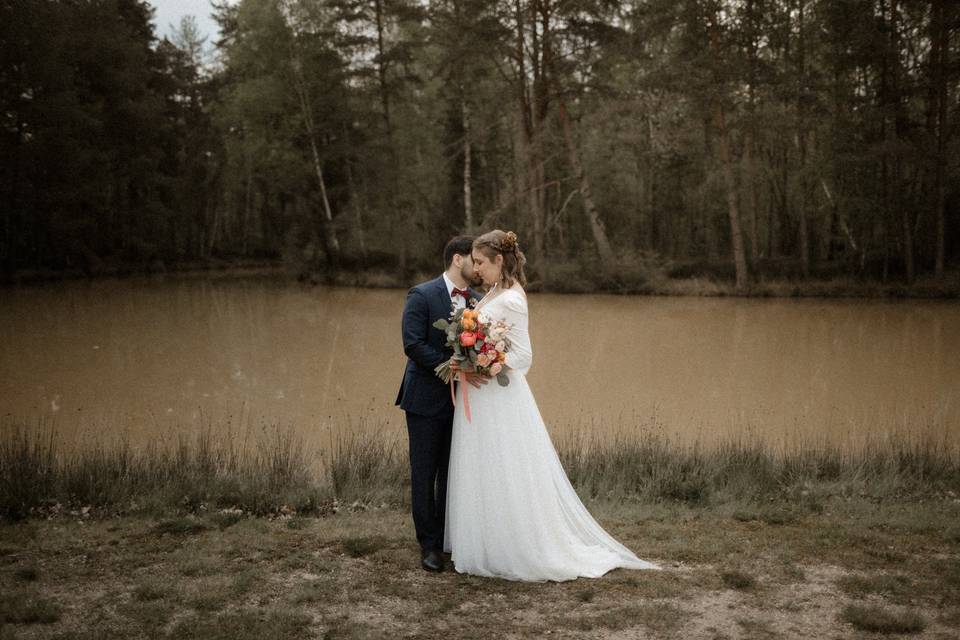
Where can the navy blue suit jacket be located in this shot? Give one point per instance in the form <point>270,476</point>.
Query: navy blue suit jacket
<point>421,391</point>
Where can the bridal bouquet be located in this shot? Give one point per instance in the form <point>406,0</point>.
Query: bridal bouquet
<point>478,343</point>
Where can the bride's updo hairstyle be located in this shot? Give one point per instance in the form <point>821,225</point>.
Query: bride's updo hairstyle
<point>504,243</point>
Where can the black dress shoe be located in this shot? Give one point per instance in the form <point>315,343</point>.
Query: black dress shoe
<point>432,561</point>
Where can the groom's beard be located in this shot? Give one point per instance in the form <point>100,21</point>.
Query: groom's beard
<point>472,277</point>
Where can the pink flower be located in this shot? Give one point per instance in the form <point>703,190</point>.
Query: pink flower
<point>496,368</point>
<point>501,346</point>
<point>483,360</point>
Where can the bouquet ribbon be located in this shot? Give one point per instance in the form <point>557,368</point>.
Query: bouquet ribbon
<point>466,396</point>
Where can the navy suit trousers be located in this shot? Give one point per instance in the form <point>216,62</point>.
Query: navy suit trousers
<point>429,455</point>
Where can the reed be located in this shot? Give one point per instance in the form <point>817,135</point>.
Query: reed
<point>275,473</point>
<point>207,470</point>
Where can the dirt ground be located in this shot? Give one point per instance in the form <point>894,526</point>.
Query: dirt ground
<point>845,570</point>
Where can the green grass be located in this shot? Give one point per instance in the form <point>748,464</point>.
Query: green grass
<point>736,579</point>
<point>359,547</point>
<point>879,584</point>
<point>587,595</point>
<point>180,526</point>
<point>148,592</point>
<point>27,606</point>
<point>27,574</point>
<point>245,624</point>
<point>882,619</point>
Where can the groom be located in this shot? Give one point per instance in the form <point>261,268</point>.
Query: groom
<point>426,399</point>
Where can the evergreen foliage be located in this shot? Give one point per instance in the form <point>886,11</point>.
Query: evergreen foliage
<point>820,135</point>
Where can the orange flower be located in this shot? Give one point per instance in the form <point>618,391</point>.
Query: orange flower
<point>468,339</point>
<point>468,324</point>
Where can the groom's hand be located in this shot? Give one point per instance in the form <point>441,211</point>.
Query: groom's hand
<point>471,377</point>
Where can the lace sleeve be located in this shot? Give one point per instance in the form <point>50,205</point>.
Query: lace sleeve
<point>520,355</point>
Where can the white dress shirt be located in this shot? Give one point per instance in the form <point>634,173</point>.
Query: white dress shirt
<point>458,302</point>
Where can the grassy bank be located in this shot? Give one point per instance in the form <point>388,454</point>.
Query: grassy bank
<point>117,269</point>
<point>206,538</point>
<point>573,279</point>
<point>652,275</point>
<point>276,474</point>
<point>631,276</point>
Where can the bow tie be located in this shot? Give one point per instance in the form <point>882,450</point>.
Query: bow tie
<point>460,292</point>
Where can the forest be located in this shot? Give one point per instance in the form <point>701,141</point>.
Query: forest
<point>736,139</point>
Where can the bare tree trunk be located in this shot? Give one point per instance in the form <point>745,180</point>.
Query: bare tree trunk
<point>306,112</point>
<point>906,224</point>
<point>736,237</point>
<point>247,205</point>
<point>750,134</point>
<point>707,235</point>
<point>357,210</point>
<point>596,224</point>
<point>531,104</point>
<point>467,202</point>
<point>940,44</point>
<point>648,191</point>
<point>382,65</point>
<point>748,163</point>
<point>405,229</point>
<point>802,145</point>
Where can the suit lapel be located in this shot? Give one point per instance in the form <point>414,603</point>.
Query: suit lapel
<point>474,297</point>
<point>442,295</point>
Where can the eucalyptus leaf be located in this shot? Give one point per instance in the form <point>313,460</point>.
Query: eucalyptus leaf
<point>441,324</point>
<point>503,379</point>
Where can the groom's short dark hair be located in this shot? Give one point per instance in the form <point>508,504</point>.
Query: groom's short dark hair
<point>460,245</point>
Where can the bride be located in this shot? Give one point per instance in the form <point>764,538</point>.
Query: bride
<point>511,511</point>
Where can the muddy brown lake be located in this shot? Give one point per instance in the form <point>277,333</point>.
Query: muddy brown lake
<point>148,358</point>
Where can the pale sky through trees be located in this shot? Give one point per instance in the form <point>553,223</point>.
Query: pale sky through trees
<point>169,13</point>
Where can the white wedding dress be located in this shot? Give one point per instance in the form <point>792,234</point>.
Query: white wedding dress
<point>511,510</point>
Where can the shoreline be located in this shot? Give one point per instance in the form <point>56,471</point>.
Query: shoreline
<point>655,284</point>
